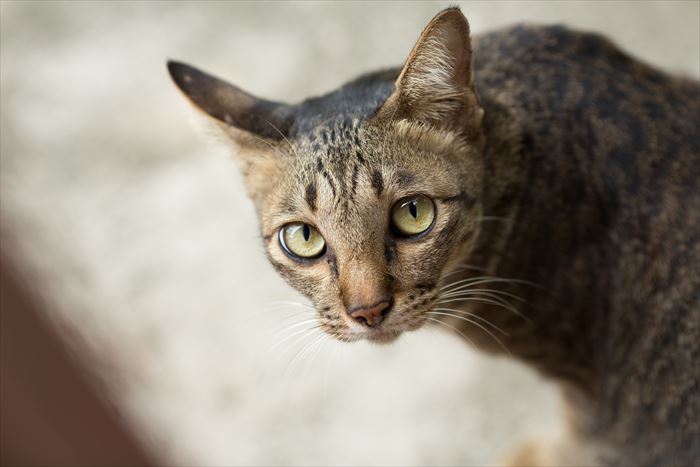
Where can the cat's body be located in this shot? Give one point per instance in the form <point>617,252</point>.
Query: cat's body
<point>594,162</point>
<point>580,183</point>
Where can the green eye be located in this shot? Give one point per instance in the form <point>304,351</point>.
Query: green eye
<point>413,215</point>
<point>302,240</point>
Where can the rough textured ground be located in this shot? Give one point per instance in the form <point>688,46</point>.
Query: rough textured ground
<point>142,234</point>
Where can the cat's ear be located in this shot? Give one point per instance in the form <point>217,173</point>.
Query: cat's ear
<point>245,118</point>
<point>436,84</point>
<point>257,127</point>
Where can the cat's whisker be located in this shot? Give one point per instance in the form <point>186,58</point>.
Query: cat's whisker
<point>300,345</point>
<point>484,299</point>
<point>317,349</point>
<point>442,323</point>
<point>464,318</point>
<point>304,359</point>
<point>282,311</point>
<point>466,280</point>
<point>492,279</point>
<point>289,143</point>
<point>480,298</point>
<point>301,311</point>
<point>489,291</point>
<point>463,268</point>
<point>486,280</point>
<point>294,325</point>
<point>470,292</point>
<point>285,310</point>
<point>292,348</point>
<point>482,290</point>
<point>329,364</point>
<point>477,317</point>
<point>304,350</point>
<point>289,303</point>
<point>293,315</point>
<point>291,319</point>
<point>287,352</point>
<point>466,295</point>
<point>493,293</point>
<point>295,333</point>
<point>279,309</point>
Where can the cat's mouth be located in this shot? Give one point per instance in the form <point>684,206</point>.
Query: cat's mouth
<point>382,336</point>
<point>378,335</point>
<point>411,313</point>
<point>385,333</point>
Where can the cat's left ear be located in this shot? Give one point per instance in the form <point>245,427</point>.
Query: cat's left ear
<point>436,84</point>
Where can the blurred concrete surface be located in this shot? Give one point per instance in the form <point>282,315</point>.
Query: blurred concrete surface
<point>141,233</point>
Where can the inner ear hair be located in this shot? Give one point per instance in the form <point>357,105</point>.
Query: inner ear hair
<point>435,86</point>
<point>231,106</point>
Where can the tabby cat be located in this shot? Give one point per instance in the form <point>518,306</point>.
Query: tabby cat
<point>535,180</point>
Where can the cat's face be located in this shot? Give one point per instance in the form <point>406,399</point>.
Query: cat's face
<point>366,224</point>
<point>368,195</point>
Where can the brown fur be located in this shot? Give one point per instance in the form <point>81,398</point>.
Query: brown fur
<point>564,176</point>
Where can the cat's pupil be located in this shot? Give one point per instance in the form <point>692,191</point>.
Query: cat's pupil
<point>306,232</point>
<point>413,209</point>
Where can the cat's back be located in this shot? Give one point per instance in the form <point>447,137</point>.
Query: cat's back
<point>629,133</point>
<point>557,80</point>
<point>622,139</point>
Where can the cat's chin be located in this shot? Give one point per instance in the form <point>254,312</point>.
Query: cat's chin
<point>382,336</point>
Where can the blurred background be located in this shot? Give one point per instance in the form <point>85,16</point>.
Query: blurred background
<point>136,232</point>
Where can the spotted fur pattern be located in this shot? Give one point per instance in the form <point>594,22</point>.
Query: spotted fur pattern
<point>564,174</point>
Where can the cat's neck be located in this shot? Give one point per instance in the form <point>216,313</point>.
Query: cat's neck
<point>531,233</point>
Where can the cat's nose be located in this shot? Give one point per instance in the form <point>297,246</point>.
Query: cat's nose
<point>371,315</point>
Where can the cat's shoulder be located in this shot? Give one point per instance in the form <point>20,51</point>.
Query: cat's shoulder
<point>566,69</point>
<point>530,43</point>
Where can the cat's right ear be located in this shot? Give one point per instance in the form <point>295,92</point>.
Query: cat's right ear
<point>257,127</point>
<point>245,118</point>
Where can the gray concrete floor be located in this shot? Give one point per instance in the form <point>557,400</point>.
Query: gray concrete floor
<point>142,233</point>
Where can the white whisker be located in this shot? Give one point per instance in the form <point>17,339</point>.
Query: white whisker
<point>488,291</point>
<point>497,301</point>
<point>462,268</point>
<point>297,358</point>
<point>295,333</point>
<point>291,326</point>
<point>480,318</point>
<point>463,318</point>
<point>485,280</point>
<point>297,304</point>
<point>452,328</point>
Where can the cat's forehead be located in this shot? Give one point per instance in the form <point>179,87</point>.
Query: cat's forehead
<point>330,148</point>
<point>335,166</point>
<point>332,135</point>
<point>347,169</point>
<point>356,101</point>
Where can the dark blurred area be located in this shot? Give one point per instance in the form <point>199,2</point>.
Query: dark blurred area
<point>50,412</point>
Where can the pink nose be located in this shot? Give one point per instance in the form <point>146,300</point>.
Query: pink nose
<point>371,315</point>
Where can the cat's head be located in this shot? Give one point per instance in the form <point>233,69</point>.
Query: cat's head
<point>367,195</point>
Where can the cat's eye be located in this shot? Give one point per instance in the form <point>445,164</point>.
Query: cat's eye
<point>302,241</point>
<point>413,215</point>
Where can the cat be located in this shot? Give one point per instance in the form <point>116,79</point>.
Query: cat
<point>534,180</point>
